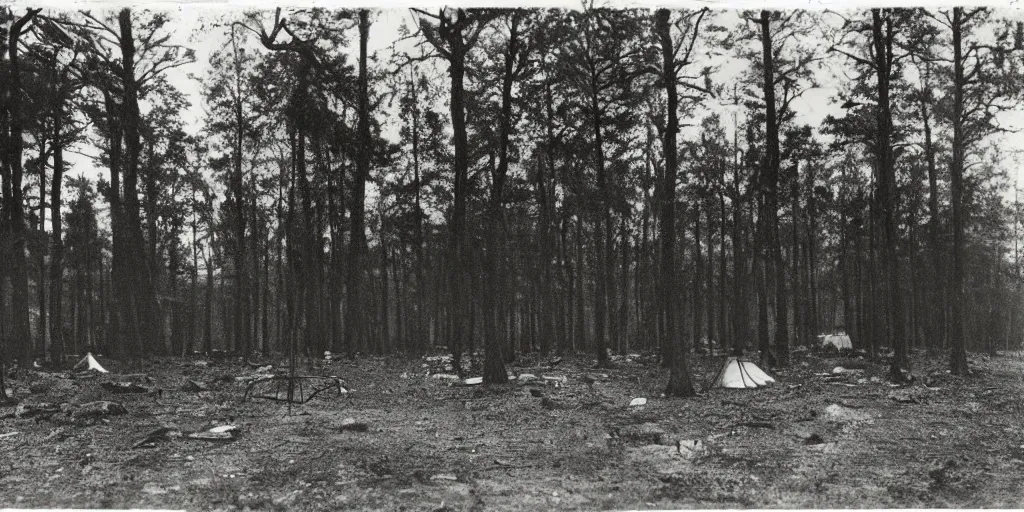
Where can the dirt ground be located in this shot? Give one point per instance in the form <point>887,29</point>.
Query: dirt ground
<point>816,439</point>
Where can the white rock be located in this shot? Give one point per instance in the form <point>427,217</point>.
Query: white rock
<point>690,448</point>
<point>636,402</point>
<point>153,489</point>
<point>839,413</point>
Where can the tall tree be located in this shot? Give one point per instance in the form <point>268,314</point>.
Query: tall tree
<point>602,64</point>
<point>784,72</point>
<point>130,53</point>
<point>677,53</point>
<point>14,232</point>
<point>983,85</point>
<point>355,315</point>
<point>515,54</point>
<point>453,33</point>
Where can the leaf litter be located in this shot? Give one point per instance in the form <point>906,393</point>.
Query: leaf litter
<point>414,442</point>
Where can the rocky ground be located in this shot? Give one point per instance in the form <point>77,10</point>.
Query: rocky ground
<point>404,438</point>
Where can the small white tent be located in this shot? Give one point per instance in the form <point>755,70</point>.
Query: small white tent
<point>89,363</point>
<point>840,341</point>
<point>737,374</point>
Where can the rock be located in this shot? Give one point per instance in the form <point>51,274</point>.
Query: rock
<point>220,433</point>
<point>473,381</point>
<point>445,376</point>
<point>839,370</point>
<point>691,448</point>
<point>823,447</point>
<point>444,477</point>
<point>191,386</point>
<point>153,489</point>
<point>839,413</point>
<point>814,438</point>
<point>637,402</point>
<point>526,377</point>
<point>98,409</point>
<point>32,410</point>
<point>351,425</point>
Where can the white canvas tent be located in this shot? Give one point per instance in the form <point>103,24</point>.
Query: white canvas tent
<point>839,341</point>
<point>737,374</point>
<point>90,363</point>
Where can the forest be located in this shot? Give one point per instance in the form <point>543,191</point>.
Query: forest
<point>511,181</point>
<point>467,192</point>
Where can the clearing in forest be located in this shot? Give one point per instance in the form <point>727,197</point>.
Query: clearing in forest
<point>402,439</point>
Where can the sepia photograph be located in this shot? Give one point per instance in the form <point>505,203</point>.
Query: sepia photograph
<point>478,257</point>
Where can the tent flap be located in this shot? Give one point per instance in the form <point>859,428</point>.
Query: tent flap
<point>736,374</point>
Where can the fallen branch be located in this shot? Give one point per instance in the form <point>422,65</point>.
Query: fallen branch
<point>296,385</point>
<point>755,424</point>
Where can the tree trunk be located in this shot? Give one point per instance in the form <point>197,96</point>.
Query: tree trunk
<point>771,192</point>
<point>887,190</point>
<point>17,236</point>
<point>602,218</point>
<point>57,244</point>
<point>355,324</point>
<point>698,282</point>
<point>41,285</point>
<point>679,383</point>
<point>141,307</point>
<point>740,303</point>
<point>494,367</point>
<point>798,317</point>
<point>958,353</point>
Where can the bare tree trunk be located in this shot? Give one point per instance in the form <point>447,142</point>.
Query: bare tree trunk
<point>771,192</point>
<point>958,352</point>
<point>882,39</point>
<point>16,232</point>
<point>355,324</point>
<point>601,229</point>
<point>679,383</point>
<point>57,348</point>
<point>44,339</point>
